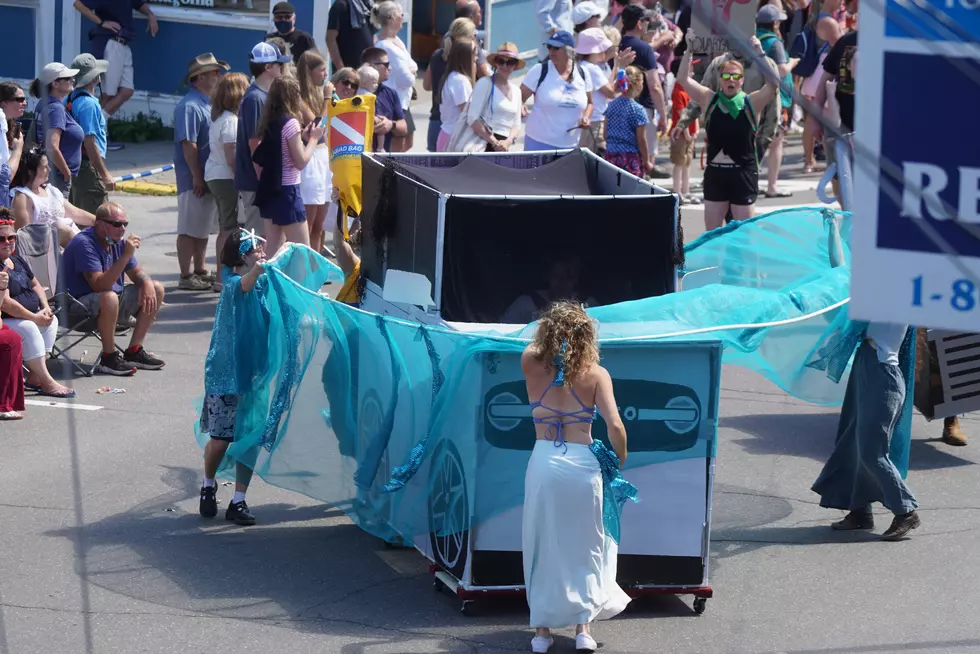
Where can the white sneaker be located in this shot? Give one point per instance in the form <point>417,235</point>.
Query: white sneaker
<point>541,644</point>
<point>585,643</point>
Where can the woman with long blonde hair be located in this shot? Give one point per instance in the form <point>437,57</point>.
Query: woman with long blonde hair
<point>457,88</point>
<point>461,29</point>
<point>316,178</point>
<point>569,557</point>
<point>285,150</point>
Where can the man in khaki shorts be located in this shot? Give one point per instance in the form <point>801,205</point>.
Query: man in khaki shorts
<point>197,210</point>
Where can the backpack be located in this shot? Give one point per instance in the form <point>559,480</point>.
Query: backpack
<point>544,71</point>
<point>769,39</point>
<point>805,46</point>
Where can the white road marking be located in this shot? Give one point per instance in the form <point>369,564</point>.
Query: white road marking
<point>63,405</point>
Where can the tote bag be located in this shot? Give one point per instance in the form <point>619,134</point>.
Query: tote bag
<point>465,139</point>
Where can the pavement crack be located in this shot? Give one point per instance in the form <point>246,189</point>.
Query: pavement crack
<point>39,508</point>
<point>357,591</point>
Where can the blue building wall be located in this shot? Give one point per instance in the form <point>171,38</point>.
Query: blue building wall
<point>513,20</point>
<point>17,34</point>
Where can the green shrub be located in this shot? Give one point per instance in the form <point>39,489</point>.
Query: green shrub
<point>140,129</point>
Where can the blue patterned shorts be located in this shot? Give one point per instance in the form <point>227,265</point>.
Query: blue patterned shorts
<point>218,416</point>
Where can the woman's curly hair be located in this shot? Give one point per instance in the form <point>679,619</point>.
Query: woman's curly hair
<point>567,335</point>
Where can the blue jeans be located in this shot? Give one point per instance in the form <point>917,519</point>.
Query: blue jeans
<point>432,135</point>
<point>859,470</point>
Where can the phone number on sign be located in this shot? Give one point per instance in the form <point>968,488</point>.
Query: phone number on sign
<point>962,294</point>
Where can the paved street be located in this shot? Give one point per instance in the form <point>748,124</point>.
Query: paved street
<point>103,550</point>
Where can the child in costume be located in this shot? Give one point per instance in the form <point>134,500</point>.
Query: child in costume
<point>235,358</point>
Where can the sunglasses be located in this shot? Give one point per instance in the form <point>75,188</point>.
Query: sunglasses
<point>66,79</point>
<point>115,223</point>
<point>506,62</point>
<point>386,64</point>
<point>9,239</point>
<point>348,83</point>
<point>21,99</point>
<point>732,76</point>
<point>552,47</point>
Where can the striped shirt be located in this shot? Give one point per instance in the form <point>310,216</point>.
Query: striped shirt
<point>290,173</point>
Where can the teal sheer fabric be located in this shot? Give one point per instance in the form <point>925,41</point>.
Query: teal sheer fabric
<point>353,408</point>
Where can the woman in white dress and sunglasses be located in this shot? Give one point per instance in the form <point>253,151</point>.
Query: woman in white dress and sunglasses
<point>573,491</point>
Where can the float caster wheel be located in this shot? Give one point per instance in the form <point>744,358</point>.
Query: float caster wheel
<point>700,604</point>
<point>467,608</point>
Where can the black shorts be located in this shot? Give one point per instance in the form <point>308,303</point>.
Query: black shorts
<point>731,183</point>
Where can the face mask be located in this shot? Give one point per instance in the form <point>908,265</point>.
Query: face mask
<point>110,241</point>
<point>283,26</point>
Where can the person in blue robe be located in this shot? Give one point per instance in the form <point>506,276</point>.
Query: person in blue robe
<point>236,358</point>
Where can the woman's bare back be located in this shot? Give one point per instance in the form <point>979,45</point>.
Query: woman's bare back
<point>571,407</point>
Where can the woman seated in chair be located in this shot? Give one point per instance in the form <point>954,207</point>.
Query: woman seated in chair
<point>35,201</point>
<point>26,311</point>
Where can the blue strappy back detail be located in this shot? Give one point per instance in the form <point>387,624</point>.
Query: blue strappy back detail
<point>558,419</point>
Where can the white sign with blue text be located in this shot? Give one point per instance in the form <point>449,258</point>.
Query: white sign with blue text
<point>916,225</point>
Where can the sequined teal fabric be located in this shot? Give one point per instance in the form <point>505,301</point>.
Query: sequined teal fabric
<point>616,491</point>
<point>238,353</point>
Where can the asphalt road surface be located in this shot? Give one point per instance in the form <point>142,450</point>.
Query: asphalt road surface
<point>102,549</point>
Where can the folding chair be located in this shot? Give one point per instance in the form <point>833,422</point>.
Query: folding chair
<point>40,247</point>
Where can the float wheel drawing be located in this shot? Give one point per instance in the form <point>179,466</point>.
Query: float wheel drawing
<point>377,502</point>
<point>449,509</point>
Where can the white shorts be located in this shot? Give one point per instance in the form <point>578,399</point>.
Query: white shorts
<point>316,178</point>
<point>196,217</point>
<point>120,73</point>
<point>249,214</point>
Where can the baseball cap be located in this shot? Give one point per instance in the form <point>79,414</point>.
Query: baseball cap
<point>283,8</point>
<point>561,39</point>
<point>769,14</point>
<point>54,71</point>
<point>583,11</point>
<point>266,53</point>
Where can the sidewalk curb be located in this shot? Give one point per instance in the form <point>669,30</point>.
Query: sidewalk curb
<point>137,187</point>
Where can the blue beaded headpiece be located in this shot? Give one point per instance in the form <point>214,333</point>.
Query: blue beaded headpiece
<point>250,241</point>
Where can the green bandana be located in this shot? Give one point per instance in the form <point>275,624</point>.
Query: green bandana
<point>732,106</point>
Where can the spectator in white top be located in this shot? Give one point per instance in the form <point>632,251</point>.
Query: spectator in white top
<point>553,16</point>
<point>593,48</point>
<point>494,113</point>
<point>388,17</point>
<point>586,15</point>
<point>562,98</point>
<point>38,202</point>
<point>219,169</point>
<point>457,88</point>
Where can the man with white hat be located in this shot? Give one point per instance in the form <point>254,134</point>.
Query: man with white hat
<point>90,188</point>
<point>266,65</point>
<point>587,14</point>
<point>197,212</point>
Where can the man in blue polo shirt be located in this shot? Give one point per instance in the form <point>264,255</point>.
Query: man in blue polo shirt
<point>93,265</point>
<point>389,119</point>
<point>197,210</point>
<point>91,186</point>
<point>114,29</point>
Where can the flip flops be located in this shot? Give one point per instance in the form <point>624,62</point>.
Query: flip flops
<point>778,194</point>
<point>61,396</point>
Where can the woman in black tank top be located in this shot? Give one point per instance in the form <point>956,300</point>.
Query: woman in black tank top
<point>731,177</point>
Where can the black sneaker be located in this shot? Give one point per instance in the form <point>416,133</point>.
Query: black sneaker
<point>658,173</point>
<point>238,511</point>
<point>113,364</point>
<point>209,501</point>
<point>144,360</point>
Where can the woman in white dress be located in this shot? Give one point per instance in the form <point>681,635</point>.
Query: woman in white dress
<point>569,542</point>
<point>388,17</point>
<point>457,88</point>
